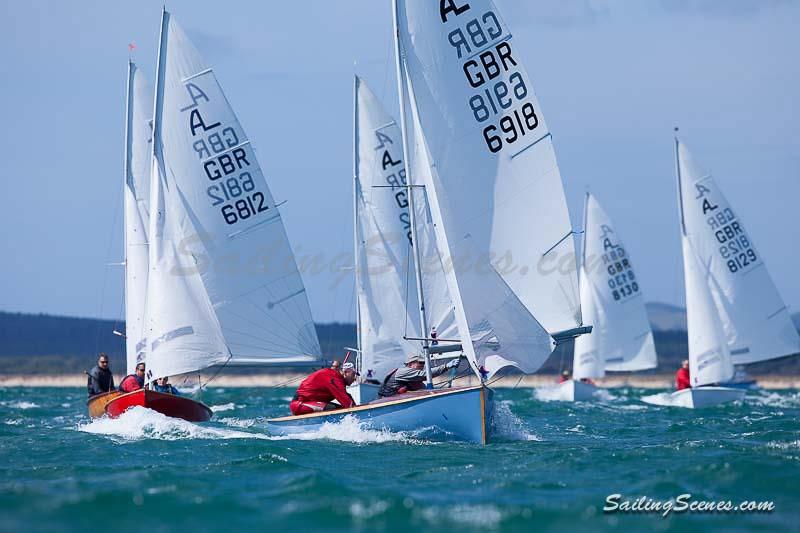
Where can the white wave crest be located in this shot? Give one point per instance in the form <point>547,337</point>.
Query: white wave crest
<point>140,423</point>
<point>556,393</point>
<point>631,407</point>
<point>775,399</point>
<point>783,445</point>
<point>20,405</point>
<point>663,399</point>
<point>351,429</point>
<point>238,422</point>
<point>604,395</point>
<point>548,394</point>
<point>224,407</point>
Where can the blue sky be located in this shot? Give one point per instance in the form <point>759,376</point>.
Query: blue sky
<point>612,76</point>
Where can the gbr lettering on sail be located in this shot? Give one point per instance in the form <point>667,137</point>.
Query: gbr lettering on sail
<point>499,93</point>
<point>733,245</point>
<point>233,181</point>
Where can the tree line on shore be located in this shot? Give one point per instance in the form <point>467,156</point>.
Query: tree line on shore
<point>48,344</point>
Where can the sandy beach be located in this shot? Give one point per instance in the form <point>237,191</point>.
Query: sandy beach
<point>291,380</point>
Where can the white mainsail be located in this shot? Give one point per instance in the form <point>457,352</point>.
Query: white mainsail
<point>612,301</point>
<point>494,188</point>
<point>753,322</point>
<point>387,304</point>
<point>137,212</point>
<point>223,284</point>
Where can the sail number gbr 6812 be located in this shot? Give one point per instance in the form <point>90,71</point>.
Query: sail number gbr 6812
<point>233,186</point>
<point>224,156</point>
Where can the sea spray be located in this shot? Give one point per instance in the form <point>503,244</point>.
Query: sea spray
<point>141,423</point>
<point>350,429</point>
<point>508,426</point>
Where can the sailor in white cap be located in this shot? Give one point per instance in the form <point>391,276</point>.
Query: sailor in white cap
<point>411,376</point>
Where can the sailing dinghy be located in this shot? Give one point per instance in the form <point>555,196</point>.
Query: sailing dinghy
<point>612,301</point>
<point>211,298</point>
<point>479,146</point>
<point>734,312</point>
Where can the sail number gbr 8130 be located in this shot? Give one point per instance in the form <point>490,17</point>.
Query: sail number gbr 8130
<point>228,161</point>
<point>498,101</point>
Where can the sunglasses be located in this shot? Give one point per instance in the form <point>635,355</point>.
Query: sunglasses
<point>103,362</point>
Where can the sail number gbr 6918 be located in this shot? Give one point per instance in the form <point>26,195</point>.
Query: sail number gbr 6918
<point>499,98</point>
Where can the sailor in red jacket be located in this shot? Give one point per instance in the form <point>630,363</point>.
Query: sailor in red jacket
<point>318,390</point>
<point>682,376</point>
<point>133,382</point>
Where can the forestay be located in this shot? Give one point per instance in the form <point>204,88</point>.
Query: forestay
<point>138,136</point>
<point>495,192</point>
<point>387,300</point>
<point>612,301</point>
<point>224,285</point>
<point>754,321</point>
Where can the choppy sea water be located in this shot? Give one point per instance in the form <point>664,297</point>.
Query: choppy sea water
<point>550,468</point>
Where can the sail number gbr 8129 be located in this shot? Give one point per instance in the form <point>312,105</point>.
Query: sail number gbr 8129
<point>499,92</point>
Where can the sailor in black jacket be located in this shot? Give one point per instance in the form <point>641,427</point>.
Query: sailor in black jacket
<point>100,377</point>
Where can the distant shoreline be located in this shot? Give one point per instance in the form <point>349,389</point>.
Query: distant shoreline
<point>658,381</point>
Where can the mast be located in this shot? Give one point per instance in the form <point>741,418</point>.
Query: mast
<point>401,81</point>
<point>355,216</point>
<point>680,187</point>
<point>585,231</point>
<point>581,275</point>
<point>126,175</point>
<point>155,174</point>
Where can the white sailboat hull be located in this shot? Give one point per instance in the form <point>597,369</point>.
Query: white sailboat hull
<point>700,397</point>
<point>363,392</point>
<point>576,391</point>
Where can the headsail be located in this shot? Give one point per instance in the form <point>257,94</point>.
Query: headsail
<point>138,136</point>
<point>612,301</point>
<point>439,304</point>
<point>387,300</point>
<point>224,285</point>
<point>753,319</point>
<point>709,356</point>
<point>495,191</point>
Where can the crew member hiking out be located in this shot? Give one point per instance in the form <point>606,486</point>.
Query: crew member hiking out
<point>317,391</point>
<point>412,376</point>
<point>100,377</point>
